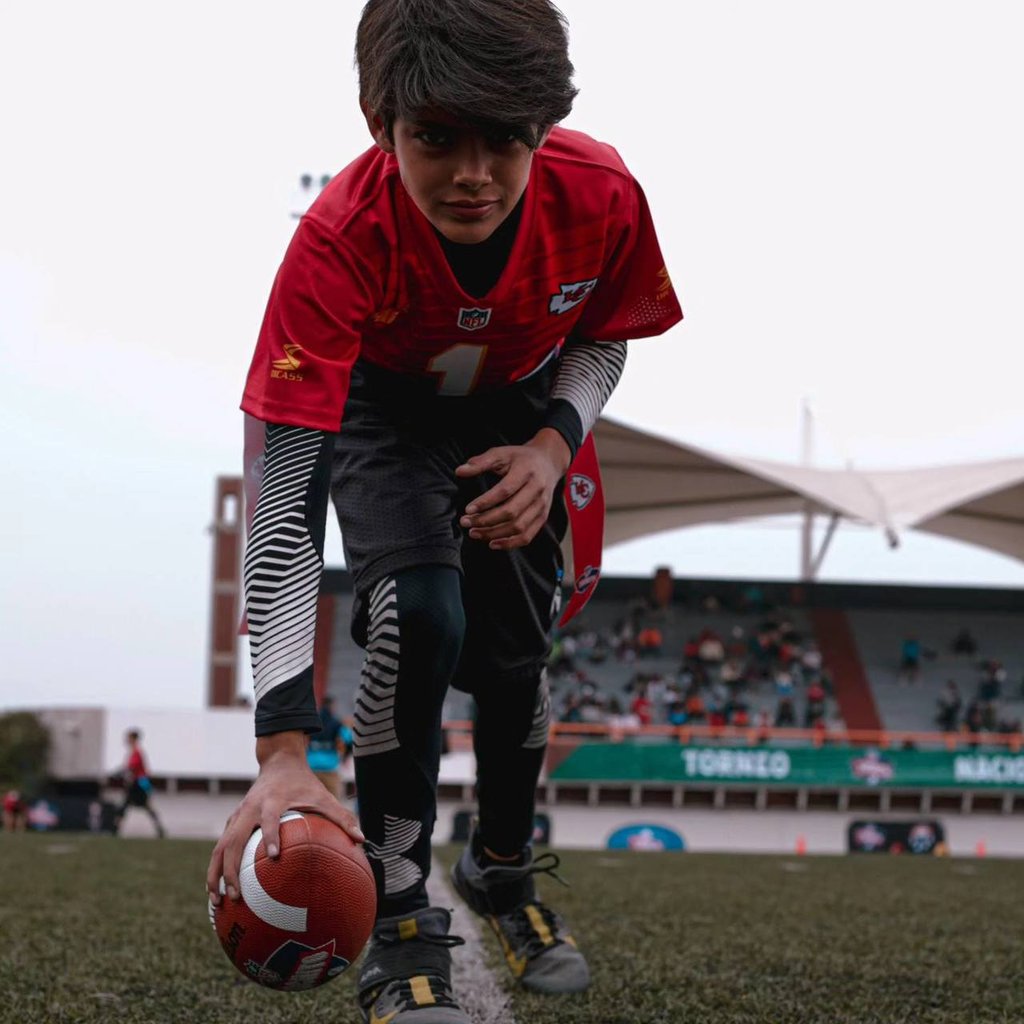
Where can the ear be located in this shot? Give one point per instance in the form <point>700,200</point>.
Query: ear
<point>378,130</point>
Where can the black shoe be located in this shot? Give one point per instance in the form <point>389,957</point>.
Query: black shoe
<point>405,977</point>
<point>539,951</point>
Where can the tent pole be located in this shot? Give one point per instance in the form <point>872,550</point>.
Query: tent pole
<point>807,568</point>
<point>826,540</point>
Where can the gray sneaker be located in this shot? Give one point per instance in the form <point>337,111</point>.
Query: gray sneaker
<point>541,954</point>
<point>405,977</point>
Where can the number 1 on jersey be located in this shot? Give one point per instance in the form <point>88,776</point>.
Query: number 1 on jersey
<point>458,367</point>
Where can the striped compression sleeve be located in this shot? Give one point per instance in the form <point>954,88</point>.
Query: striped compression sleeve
<point>586,377</point>
<point>283,563</point>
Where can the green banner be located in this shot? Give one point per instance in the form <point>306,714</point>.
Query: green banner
<point>792,766</point>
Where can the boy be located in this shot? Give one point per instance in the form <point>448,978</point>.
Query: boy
<point>137,785</point>
<point>448,322</point>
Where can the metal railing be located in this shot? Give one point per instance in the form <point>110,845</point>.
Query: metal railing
<point>885,739</point>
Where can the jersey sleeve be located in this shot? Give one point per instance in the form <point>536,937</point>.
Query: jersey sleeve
<point>634,297</point>
<point>311,332</point>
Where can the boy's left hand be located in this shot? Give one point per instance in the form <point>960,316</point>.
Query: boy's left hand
<point>512,512</point>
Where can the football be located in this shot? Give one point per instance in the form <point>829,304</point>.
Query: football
<point>304,917</point>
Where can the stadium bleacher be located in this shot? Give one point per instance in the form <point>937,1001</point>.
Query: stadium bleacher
<point>911,705</point>
<point>879,618</point>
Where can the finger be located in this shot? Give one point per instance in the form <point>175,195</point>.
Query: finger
<point>521,538</point>
<point>340,815</point>
<point>350,823</point>
<point>503,491</point>
<point>515,537</point>
<point>213,873</point>
<point>270,823</point>
<point>522,507</point>
<point>494,460</point>
<point>233,847</point>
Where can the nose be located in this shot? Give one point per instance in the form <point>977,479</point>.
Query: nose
<point>473,167</point>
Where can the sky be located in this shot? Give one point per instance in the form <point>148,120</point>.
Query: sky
<point>837,192</point>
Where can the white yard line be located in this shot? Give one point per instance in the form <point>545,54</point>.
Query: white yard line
<point>476,988</point>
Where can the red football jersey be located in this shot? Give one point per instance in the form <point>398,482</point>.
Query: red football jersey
<point>365,276</point>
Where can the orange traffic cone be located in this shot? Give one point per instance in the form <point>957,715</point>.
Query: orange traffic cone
<point>801,846</point>
<point>980,849</point>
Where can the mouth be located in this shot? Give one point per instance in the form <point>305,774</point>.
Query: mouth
<point>471,209</point>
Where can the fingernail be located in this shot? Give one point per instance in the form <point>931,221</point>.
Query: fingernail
<point>272,850</point>
<point>232,893</point>
<point>215,898</point>
<point>465,521</point>
<point>471,510</point>
<point>357,834</point>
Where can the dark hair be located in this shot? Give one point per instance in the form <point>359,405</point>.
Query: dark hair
<point>490,63</point>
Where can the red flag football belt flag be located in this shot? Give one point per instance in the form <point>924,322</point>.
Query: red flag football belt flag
<point>584,499</point>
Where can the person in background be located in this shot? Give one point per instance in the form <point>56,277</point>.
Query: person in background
<point>910,661</point>
<point>328,747</point>
<point>949,707</point>
<point>15,816</point>
<point>137,784</point>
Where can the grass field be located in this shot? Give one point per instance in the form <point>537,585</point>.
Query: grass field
<point>95,929</point>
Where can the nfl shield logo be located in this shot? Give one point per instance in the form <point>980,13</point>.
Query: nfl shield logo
<point>474,319</point>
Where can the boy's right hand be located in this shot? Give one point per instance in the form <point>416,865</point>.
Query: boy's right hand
<point>285,783</point>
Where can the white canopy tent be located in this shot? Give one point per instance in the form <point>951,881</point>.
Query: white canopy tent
<point>653,484</point>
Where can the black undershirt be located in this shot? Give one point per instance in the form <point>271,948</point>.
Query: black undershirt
<point>477,267</point>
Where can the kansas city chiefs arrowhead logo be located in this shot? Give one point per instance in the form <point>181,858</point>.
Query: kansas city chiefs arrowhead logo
<point>581,490</point>
<point>571,295</point>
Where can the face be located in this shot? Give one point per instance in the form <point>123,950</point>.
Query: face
<point>463,180</point>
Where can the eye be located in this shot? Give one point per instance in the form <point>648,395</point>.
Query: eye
<point>503,139</point>
<point>434,137</point>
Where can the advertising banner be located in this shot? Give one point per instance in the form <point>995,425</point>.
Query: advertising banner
<point>791,766</point>
<point>921,838</point>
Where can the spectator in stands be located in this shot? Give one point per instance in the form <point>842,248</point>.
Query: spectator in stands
<point>910,661</point>
<point>695,709</point>
<point>783,684</point>
<point>785,714</point>
<point>763,722</point>
<point>677,714</point>
<point>571,710</point>
<point>737,648</point>
<point>991,686</point>
<point>811,659</point>
<point>712,651</point>
<point>964,643</point>
<point>641,707</point>
<point>973,723</point>
<point>949,707</point>
<point>815,704</point>
<point>820,727</point>
<point>691,653</point>
<point>649,642</point>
